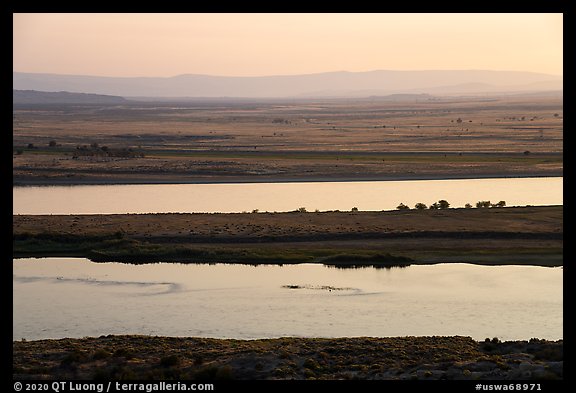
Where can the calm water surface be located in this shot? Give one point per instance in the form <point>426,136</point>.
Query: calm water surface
<point>235,198</point>
<point>73,297</point>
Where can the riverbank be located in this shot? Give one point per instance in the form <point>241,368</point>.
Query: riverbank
<point>515,235</point>
<point>38,180</point>
<point>189,358</point>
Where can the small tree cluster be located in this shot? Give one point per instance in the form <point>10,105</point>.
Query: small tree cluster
<point>444,204</point>
<point>487,204</point>
<point>441,204</point>
<point>104,151</point>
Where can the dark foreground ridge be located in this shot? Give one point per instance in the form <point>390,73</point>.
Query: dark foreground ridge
<point>392,358</point>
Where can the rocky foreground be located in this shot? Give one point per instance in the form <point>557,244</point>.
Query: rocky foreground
<point>396,358</point>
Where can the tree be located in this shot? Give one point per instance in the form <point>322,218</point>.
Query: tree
<point>499,204</point>
<point>402,206</point>
<point>434,206</point>
<point>354,209</point>
<point>468,206</point>
<point>443,204</point>
<point>482,204</point>
<point>420,206</point>
<point>301,210</point>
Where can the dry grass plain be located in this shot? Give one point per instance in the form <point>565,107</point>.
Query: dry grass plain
<point>354,139</point>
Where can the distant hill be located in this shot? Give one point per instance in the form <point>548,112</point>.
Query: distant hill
<point>329,84</point>
<point>62,97</point>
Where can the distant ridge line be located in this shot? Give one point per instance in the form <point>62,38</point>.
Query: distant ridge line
<point>328,84</point>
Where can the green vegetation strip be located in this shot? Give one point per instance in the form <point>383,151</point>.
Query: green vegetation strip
<point>105,249</point>
<point>136,252</point>
<point>390,158</point>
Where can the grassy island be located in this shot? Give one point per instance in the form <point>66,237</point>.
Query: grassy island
<point>510,235</point>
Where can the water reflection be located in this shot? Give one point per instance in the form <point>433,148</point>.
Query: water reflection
<point>377,261</point>
<point>367,265</point>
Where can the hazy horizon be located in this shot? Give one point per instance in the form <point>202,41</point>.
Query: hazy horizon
<point>285,75</point>
<point>284,44</point>
<point>343,84</point>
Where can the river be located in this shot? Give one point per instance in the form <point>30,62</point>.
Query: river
<point>239,197</point>
<point>73,297</point>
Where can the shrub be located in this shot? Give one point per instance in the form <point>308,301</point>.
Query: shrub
<point>198,360</point>
<point>123,352</point>
<point>551,352</point>
<point>76,356</point>
<point>100,354</point>
<point>311,364</point>
<point>170,361</point>
<point>402,206</point>
<point>421,206</point>
<point>212,373</point>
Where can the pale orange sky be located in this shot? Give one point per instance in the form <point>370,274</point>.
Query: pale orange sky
<point>283,44</point>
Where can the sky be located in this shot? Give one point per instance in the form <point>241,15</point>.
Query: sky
<point>164,45</point>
